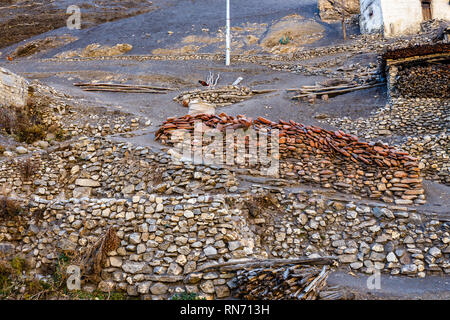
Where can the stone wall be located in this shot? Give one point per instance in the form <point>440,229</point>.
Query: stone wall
<point>371,18</point>
<point>329,13</point>
<point>165,241</point>
<point>440,9</point>
<point>13,89</point>
<point>330,159</point>
<point>418,126</point>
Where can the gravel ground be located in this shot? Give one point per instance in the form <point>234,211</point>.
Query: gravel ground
<point>189,17</point>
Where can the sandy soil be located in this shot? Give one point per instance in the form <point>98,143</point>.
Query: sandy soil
<point>23,19</point>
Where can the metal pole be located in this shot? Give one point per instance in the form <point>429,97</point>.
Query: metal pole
<point>228,41</point>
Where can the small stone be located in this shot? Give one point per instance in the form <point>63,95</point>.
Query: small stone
<point>409,269</point>
<point>159,288</point>
<point>435,252</point>
<point>391,257</point>
<point>115,261</point>
<point>234,245</point>
<point>135,238</point>
<point>210,251</point>
<point>133,267</point>
<point>207,286</point>
<point>87,183</point>
<point>377,247</point>
<point>222,292</point>
<point>356,265</point>
<point>21,150</point>
<point>106,286</point>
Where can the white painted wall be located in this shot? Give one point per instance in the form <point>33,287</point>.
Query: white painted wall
<point>371,18</point>
<point>440,9</point>
<point>401,17</point>
<point>398,17</point>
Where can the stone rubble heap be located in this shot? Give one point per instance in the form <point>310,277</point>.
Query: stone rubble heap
<point>221,96</point>
<point>419,126</point>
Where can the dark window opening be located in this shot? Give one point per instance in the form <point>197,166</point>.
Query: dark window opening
<point>426,10</point>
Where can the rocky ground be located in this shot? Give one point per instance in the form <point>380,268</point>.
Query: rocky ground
<point>167,53</point>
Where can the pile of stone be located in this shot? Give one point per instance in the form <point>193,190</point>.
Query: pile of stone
<point>331,158</point>
<point>221,96</point>
<point>433,152</point>
<point>418,126</point>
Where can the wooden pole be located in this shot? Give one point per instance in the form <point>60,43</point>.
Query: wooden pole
<point>228,40</point>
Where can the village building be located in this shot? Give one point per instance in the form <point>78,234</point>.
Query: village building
<point>400,17</point>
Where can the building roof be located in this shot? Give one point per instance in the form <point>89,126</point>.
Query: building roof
<point>413,51</point>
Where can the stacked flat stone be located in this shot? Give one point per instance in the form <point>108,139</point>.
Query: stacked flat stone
<point>220,96</point>
<point>331,158</point>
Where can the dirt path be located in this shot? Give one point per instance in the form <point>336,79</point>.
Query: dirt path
<point>393,288</point>
<point>24,19</point>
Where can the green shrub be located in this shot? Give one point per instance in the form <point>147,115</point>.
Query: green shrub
<point>186,296</point>
<point>9,207</point>
<point>30,134</point>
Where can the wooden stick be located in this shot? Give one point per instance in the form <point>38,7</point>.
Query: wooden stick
<point>264,91</point>
<point>314,88</point>
<point>241,264</point>
<point>120,85</point>
<point>323,274</point>
<point>339,91</point>
<point>119,90</point>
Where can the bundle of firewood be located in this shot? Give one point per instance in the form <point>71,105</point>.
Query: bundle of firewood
<point>291,282</point>
<point>324,91</point>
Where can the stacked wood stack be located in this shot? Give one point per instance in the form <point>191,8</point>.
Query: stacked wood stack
<point>424,81</point>
<point>332,158</point>
<point>220,96</point>
<point>300,280</point>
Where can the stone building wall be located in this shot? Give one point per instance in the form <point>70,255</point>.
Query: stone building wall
<point>13,89</point>
<point>331,159</point>
<point>400,17</point>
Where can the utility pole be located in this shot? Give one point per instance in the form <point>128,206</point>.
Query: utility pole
<point>228,41</point>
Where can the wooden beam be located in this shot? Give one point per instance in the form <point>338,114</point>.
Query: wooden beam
<point>246,263</point>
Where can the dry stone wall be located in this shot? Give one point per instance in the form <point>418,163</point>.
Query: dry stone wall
<point>165,240</point>
<point>419,126</point>
<point>167,234</point>
<point>331,159</point>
